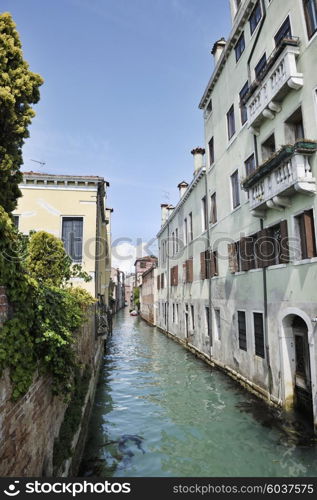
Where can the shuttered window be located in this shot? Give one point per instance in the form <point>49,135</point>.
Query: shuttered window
<point>213,209</point>
<point>242,330</point>
<point>235,189</point>
<point>246,248</point>
<point>189,271</point>
<point>174,276</point>
<point>72,236</point>
<point>259,334</point>
<point>307,234</point>
<point>162,280</point>
<point>233,258</point>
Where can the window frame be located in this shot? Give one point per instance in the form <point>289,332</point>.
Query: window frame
<point>231,123</point>
<point>233,200</point>
<point>73,218</point>
<point>245,340</point>
<point>310,34</point>
<point>256,15</point>
<point>260,354</point>
<point>239,47</point>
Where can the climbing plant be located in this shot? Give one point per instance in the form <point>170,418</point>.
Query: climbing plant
<point>39,333</point>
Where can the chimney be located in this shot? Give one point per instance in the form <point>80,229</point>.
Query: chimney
<point>182,186</point>
<point>164,213</point>
<point>198,154</point>
<point>218,49</point>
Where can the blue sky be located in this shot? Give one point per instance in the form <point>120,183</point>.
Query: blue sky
<point>123,79</point>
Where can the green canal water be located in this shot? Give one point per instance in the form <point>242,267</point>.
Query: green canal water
<point>159,411</point>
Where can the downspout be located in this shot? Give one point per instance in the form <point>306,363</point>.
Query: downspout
<point>168,274</point>
<point>264,272</point>
<point>209,247</point>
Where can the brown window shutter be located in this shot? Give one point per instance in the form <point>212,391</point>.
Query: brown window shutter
<point>233,258</point>
<point>264,249</point>
<point>212,264</point>
<point>185,272</point>
<point>203,265</point>
<point>190,270</point>
<point>158,282</point>
<point>284,243</point>
<point>310,234</point>
<point>176,275</point>
<point>247,255</point>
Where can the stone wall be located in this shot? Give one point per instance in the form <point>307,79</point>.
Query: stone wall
<point>29,426</point>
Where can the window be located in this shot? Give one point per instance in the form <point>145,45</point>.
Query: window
<point>165,312</point>
<point>211,151</point>
<point>177,313</point>
<point>173,243</point>
<point>185,232</point>
<point>174,276</point>
<point>188,271</point>
<point>217,324</point>
<point>213,209</point>
<point>176,240</point>
<point>294,127</point>
<point>242,331</point>
<point>235,189</point>
<point>306,234</point>
<point>72,236</point>
<point>284,32</point>
<point>240,46</point>
<point>162,280</point>
<point>231,123</point>
<point>208,326</point>
<point>268,247</point>
<point>249,165</point>
<point>255,17</point>
<point>158,282</point>
<point>16,220</point>
<point>258,334</point>
<point>190,235</point>
<point>260,67</point>
<point>243,107</point>
<point>310,9</point>
<point>204,213</point>
<point>268,148</point>
<point>192,310</point>
<point>173,313</point>
<point>213,264</point>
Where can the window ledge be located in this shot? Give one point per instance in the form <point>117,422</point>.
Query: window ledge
<point>276,266</point>
<point>232,140</point>
<point>305,261</point>
<point>235,209</point>
<point>255,270</point>
<point>239,273</point>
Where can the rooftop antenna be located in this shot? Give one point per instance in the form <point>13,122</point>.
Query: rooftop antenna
<point>40,162</point>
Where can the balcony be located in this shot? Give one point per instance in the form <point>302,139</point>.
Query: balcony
<point>274,182</point>
<point>278,78</point>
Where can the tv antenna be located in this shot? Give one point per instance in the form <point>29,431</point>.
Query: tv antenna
<point>40,162</point>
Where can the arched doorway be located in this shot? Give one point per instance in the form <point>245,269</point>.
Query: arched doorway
<point>303,386</point>
<point>296,347</point>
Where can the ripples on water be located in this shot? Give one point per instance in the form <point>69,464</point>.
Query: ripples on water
<point>192,420</point>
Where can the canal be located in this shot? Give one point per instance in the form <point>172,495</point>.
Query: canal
<point>159,411</point>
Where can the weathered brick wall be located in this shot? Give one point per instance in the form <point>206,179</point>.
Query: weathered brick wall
<point>4,307</point>
<point>29,426</point>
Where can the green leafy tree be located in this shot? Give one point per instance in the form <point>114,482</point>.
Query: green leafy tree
<point>19,88</point>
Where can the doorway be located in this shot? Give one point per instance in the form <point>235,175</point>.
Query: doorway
<point>302,387</point>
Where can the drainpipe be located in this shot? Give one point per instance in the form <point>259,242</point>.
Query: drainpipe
<point>209,284</point>
<point>256,154</point>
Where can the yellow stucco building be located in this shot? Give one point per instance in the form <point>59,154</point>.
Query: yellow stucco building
<point>72,208</point>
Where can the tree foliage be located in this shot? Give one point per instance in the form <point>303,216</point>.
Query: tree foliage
<point>19,89</point>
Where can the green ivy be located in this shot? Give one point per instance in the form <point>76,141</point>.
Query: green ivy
<point>40,333</point>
